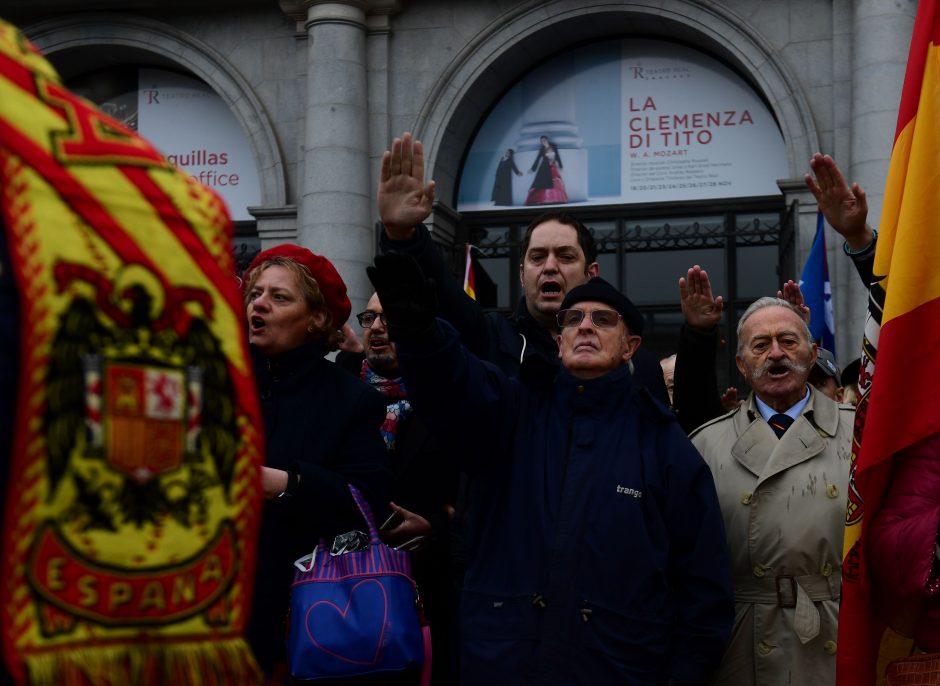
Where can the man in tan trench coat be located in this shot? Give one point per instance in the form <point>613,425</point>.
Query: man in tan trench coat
<point>783,503</point>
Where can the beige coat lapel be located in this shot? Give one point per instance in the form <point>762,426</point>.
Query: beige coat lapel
<point>759,451</point>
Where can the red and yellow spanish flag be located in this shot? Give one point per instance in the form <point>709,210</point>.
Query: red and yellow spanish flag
<point>469,280</point>
<point>898,395</point>
<point>133,504</point>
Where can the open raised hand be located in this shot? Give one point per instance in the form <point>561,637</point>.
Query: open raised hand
<point>845,207</point>
<point>792,294</point>
<point>404,199</point>
<point>701,310</point>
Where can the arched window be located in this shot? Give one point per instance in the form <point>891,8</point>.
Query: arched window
<point>666,153</point>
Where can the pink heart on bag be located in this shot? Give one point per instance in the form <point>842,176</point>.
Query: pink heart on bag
<point>330,628</point>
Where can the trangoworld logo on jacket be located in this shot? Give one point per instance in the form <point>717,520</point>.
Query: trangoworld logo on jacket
<point>625,490</point>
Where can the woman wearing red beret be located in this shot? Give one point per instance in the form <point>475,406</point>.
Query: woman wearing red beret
<point>321,428</point>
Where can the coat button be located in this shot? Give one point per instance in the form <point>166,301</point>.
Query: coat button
<point>764,648</point>
<point>746,498</point>
<point>829,647</point>
<point>580,389</point>
<point>759,570</point>
<point>832,491</point>
<point>826,570</point>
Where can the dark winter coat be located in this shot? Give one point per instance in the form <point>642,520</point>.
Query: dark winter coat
<point>597,553</point>
<point>323,424</point>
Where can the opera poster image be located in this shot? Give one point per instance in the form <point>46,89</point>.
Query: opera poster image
<point>621,122</point>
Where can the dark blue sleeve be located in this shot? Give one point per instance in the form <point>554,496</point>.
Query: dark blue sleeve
<point>469,404</point>
<point>695,394</point>
<point>453,304</point>
<point>699,565</point>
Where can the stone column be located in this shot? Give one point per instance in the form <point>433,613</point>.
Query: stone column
<point>881,38</point>
<point>336,189</point>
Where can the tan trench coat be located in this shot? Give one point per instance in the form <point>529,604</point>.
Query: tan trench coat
<point>783,503</point>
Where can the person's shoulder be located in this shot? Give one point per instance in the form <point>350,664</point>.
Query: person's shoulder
<point>342,381</point>
<point>847,415</point>
<point>650,407</point>
<point>719,424</point>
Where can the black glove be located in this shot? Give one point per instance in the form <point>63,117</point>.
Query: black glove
<point>407,296</point>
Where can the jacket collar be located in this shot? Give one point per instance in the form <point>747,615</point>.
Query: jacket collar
<point>536,349</point>
<point>759,451</point>
<point>290,363</point>
<point>594,393</point>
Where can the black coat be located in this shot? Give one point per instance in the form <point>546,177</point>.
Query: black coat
<point>518,345</point>
<point>502,185</point>
<point>425,481</point>
<point>324,425</point>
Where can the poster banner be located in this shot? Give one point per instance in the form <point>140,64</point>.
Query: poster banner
<point>197,132</point>
<point>622,122</point>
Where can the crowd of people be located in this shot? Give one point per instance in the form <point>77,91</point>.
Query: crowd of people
<point>608,518</point>
<point>579,511</point>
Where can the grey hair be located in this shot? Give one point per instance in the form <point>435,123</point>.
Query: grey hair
<point>769,301</point>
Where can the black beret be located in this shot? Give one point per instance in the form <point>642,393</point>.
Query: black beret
<point>599,290</point>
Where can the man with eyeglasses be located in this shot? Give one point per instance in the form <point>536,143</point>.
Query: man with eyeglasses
<point>558,253</point>
<point>424,489</point>
<point>596,550</point>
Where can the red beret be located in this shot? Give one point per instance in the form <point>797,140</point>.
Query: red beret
<point>328,279</point>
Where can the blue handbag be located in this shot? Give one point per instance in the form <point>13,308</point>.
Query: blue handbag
<point>357,613</point>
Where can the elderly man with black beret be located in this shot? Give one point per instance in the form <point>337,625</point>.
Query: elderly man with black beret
<point>597,553</point>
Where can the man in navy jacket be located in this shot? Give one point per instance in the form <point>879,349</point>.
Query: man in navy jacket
<point>597,553</point>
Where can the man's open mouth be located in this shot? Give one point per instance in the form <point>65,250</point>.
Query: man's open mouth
<point>550,288</point>
<point>377,343</point>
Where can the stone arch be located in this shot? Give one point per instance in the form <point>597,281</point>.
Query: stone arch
<point>146,37</point>
<point>527,35</point>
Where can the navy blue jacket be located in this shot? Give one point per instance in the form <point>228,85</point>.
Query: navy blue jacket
<point>596,545</point>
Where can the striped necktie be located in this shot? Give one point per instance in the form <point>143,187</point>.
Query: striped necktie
<point>780,423</point>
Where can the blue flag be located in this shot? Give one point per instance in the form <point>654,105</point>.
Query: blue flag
<point>817,294</point>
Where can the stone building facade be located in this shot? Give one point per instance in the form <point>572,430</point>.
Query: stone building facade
<point>319,88</point>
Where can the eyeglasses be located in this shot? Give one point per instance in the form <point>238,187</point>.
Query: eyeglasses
<point>602,319</point>
<point>367,318</point>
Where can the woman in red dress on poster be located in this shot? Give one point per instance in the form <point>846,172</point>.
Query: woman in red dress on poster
<point>547,188</point>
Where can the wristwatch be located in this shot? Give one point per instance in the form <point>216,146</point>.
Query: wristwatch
<point>293,480</point>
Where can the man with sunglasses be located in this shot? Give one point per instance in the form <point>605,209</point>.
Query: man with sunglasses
<point>596,549</point>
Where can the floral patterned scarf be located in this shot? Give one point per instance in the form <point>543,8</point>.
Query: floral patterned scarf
<point>398,406</point>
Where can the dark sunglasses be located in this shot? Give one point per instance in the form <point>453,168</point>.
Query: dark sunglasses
<point>602,319</point>
<point>367,319</point>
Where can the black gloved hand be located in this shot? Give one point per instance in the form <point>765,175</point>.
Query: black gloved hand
<point>407,296</point>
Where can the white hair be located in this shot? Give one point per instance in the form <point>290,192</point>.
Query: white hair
<point>769,301</point>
